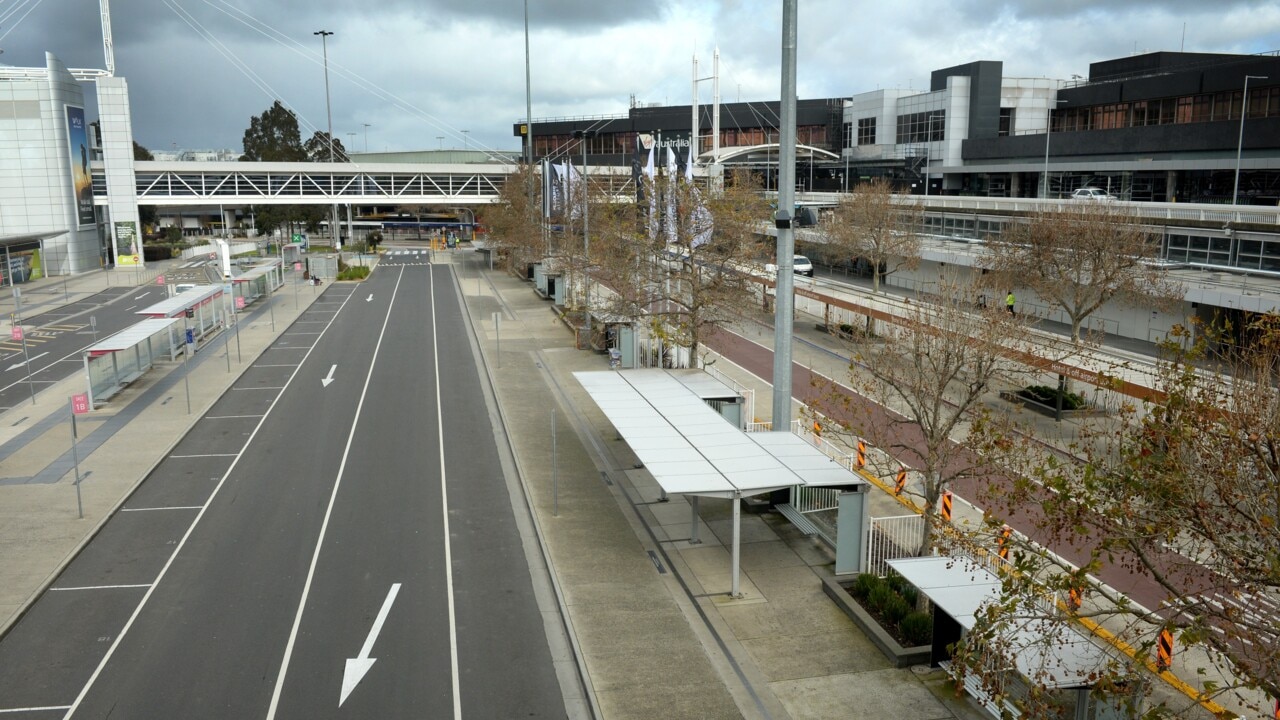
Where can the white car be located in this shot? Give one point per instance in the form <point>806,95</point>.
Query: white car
<point>1092,194</point>
<point>801,265</point>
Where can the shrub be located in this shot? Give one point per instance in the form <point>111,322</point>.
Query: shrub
<point>863,586</point>
<point>895,609</point>
<point>1049,396</point>
<point>356,272</point>
<point>909,593</point>
<point>916,628</point>
<point>880,596</point>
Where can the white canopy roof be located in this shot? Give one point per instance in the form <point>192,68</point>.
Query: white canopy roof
<point>131,336</point>
<point>690,449</point>
<point>960,587</point>
<point>176,305</point>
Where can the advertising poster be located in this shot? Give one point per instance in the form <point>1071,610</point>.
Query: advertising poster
<point>128,254</point>
<point>78,150</point>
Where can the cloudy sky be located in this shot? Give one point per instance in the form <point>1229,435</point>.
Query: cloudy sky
<point>421,72</point>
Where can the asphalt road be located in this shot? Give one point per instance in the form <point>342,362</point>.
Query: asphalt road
<point>310,549</point>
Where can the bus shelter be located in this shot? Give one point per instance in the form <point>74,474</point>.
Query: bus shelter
<point>258,281</point>
<point>204,314</point>
<point>118,360</point>
<point>691,449</point>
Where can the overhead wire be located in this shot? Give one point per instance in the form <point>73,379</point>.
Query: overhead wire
<point>279,37</point>
<point>13,11</point>
<point>253,77</point>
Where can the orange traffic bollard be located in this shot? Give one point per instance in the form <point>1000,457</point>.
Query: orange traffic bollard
<point>901,484</point>
<point>946,506</point>
<point>1164,650</point>
<point>862,454</point>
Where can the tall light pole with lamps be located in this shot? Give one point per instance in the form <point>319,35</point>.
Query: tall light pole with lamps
<point>1048,129</point>
<point>328,111</point>
<point>585,136</point>
<point>1244,111</point>
<point>465,138</point>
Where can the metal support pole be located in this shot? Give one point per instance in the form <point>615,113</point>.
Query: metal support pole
<point>736,590</point>
<point>783,316</point>
<point>186,363</point>
<point>497,332</point>
<point>693,521</point>
<point>555,471</point>
<point>75,458</point>
<point>1244,110</point>
<point>26,354</point>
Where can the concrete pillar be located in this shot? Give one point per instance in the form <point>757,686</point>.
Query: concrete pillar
<point>851,528</point>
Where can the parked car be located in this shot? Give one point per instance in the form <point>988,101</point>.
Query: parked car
<point>801,265</point>
<point>1092,194</point>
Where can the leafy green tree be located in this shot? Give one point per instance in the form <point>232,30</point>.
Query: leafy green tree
<point>146,213</point>
<point>317,148</point>
<point>273,137</point>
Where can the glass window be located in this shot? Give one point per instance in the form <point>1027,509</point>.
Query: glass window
<point>1006,122</point>
<point>867,131</point>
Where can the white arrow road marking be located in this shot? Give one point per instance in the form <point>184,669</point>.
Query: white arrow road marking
<point>325,381</point>
<point>24,362</point>
<point>370,298</point>
<point>359,665</point>
<point>139,297</point>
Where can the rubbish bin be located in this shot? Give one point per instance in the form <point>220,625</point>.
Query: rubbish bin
<point>615,358</point>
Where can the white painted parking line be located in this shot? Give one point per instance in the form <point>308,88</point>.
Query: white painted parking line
<point>275,365</point>
<point>45,708</point>
<point>100,587</point>
<point>233,417</point>
<point>175,507</point>
<point>257,388</point>
<point>188,457</point>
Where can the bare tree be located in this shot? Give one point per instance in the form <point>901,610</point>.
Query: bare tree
<point>929,379</point>
<point>875,226</point>
<point>515,222</point>
<point>682,260</point>
<point>1082,257</point>
<point>1186,495</point>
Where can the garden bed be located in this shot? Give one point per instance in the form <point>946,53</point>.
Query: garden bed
<point>873,622</point>
<point>1044,400</point>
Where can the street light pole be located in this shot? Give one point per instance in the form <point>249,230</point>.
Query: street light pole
<point>440,140</point>
<point>465,137</point>
<point>328,110</point>
<point>366,136</point>
<point>1244,110</point>
<point>1048,128</point>
<point>585,136</point>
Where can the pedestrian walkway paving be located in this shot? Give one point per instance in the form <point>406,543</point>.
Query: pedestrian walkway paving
<point>659,635</point>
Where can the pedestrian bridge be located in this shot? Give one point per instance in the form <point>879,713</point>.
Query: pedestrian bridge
<point>307,183</point>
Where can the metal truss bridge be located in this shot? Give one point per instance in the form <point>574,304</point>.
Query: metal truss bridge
<point>305,183</point>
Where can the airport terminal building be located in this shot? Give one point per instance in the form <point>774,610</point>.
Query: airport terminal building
<point>1157,127</point>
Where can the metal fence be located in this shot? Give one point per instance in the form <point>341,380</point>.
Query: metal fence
<point>890,538</point>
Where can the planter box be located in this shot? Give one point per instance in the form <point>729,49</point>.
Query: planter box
<point>1041,408</point>
<point>900,657</point>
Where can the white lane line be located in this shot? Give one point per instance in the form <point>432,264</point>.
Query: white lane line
<point>256,388</point>
<point>34,709</point>
<point>444,505</point>
<point>187,457</point>
<point>279,365</point>
<point>230,417</point>
<point>173,556</point>
<point>324,525</point>
<point>172,507</point>
<point>100,587</point>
